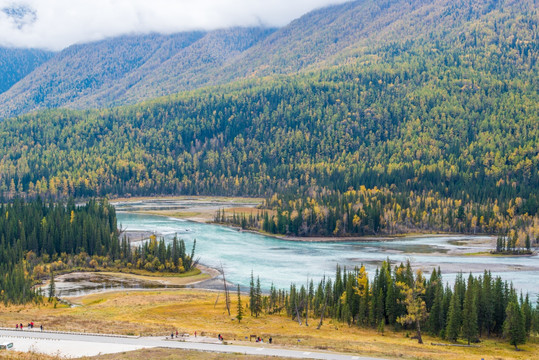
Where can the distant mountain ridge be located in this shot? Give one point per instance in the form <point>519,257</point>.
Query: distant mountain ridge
<point>104,73</point>
<point>129,69</point>
<point>15,64</point>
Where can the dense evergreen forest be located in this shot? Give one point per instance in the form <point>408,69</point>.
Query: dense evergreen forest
<point>435,133</point>
<point>38,238</point>
<point>482,306</point>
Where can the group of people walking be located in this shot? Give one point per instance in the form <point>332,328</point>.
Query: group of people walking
<point>30,326</point>
<point>219,337</point>
<point>259,339</point>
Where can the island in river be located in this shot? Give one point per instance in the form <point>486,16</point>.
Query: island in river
<point>202,209</point>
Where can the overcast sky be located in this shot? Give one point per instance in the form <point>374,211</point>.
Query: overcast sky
<point>56,24</point>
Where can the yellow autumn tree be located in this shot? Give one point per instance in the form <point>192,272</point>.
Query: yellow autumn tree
<point>416,310</point>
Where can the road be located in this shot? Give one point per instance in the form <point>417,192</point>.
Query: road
<point>77,345</point>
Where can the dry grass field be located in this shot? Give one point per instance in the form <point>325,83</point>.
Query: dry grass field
<point>17,355</point>
<point>176,354</point>
<point>144,354</point>
<point>160,312</point>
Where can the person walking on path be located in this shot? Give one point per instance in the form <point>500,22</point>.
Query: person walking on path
<point>195,334</point>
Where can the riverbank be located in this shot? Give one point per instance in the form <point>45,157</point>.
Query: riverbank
<point>79,283</point>
<point>202,209</point>
<point>192,208</point>
<point>330,239</point>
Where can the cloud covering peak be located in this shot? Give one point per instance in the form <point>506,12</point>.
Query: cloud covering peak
<point>56,24</point>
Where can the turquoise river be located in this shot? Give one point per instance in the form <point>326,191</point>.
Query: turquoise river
<point>282,262</point>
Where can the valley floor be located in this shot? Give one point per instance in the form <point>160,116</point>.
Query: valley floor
<point>160,312</point>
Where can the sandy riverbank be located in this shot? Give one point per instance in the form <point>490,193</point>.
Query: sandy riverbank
<point>75,284</point>
<point>192,208</point>
<point>137,236</point>
<point>329,238</point>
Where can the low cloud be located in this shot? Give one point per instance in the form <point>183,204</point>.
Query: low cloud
<point>56,24</point>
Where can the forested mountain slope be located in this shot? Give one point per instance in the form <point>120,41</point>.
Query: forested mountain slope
<point>421,133</point>
<point>122,69</point>
<point>133,68</point>
<point>15,64</point>
<point>449,131</point>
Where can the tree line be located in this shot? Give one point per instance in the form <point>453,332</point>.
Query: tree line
<point>39,237</point>
<point>473,308</point>
<point>379,211</point>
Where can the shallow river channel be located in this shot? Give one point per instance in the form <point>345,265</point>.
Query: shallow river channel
<point>281,262</point>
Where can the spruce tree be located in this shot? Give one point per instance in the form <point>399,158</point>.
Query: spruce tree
<point>486,305</point>
<point>252,294</point>
<point>436,317</point>
<point>239,315</point>
<point>535,317</point>
<point>454,318</point>
<point>52,287</point>
<point>514,327</point>
<point>258,298</point>
<point>527,313</point>
<point>469,312</point>
<point>391,302</point>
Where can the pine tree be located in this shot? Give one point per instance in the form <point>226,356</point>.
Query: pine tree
<point>486,305</point>
<point>535,317</point>
<point>514,327</point>
<point>391,302</point>
<point>239,315</point>
<point>454,318</point>
<point>52,287</point>
<point>258,298</point>
<point>436,317</point>
<point>469,312</point>
<point>527,312</point>
<point>252,299</point>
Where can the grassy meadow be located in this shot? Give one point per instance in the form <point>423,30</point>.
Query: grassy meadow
<point>159,312</point>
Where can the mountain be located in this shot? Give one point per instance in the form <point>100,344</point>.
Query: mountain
<point>105,72</point>
<point>434,131</point>
<point>15,64</point>
<point>129,69</point>
<point>203,59</point>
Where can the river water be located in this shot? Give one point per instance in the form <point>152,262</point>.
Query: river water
<point>282,262</point>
